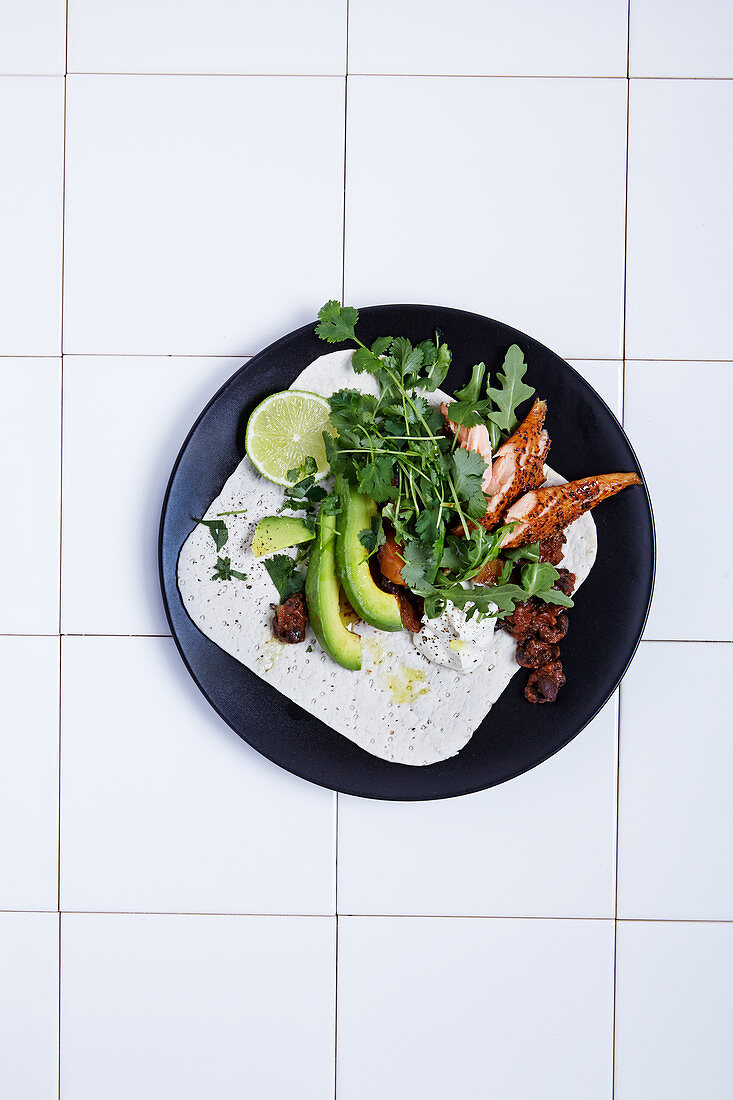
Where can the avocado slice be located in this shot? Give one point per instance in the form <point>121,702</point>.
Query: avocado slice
<point>322,591</point>
<point>378,608</point>
<point>278,532</point>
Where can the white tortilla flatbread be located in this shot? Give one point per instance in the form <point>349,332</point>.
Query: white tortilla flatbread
<point>400,706</point>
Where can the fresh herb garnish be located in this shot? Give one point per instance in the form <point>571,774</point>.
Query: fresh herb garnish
<point>395,449</point>
<point>224,572</point>
<point>371,538</point>
<point>287,579</point>
<point>217,530</point>
<point>303,495</point>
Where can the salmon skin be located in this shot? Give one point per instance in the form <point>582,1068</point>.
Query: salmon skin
<point>543,512</point>
<point>518,465</point>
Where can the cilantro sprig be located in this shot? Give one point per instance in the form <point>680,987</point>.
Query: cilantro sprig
<point>394,449</point>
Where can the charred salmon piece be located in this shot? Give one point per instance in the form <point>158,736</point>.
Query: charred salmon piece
<point>391,561</point>
<point>543,512</point>
<point>518,465</point>
<point>471,439</point>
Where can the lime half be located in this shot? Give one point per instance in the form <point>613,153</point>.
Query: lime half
<point>284,430</point>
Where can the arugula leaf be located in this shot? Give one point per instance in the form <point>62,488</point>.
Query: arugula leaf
<point>470,392</point>
<point>468,472</point>
<point>511,392</point>
<point>224,572</point>
<point>538,579</point>
<point>283,574</point>
<point>217,530</point>
<point>336,322</point>
<point>469,413</point>
<point>531,552</point>
<point>371,538</point>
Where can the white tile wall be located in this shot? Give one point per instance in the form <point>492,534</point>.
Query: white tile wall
<point>30,426</point>
<point>222,176</point>
<point>31,139</point>
<point>29,1005</point>
<point>29,773</point>
<point>659,399</point>
<point>225,36</point>
<point>199,210</point>
<point>679,38</point>
<point>474,1008</point>
<point>32,37</point>
<point>492,201</point>
<point>565,38</point>
<point>674,1018</point>
<point>164,809</point>
<point>210,1006</point>
<point>680,222</point>
<point>676,756</point>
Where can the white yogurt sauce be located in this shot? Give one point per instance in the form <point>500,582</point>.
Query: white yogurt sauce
<point>455,641</point>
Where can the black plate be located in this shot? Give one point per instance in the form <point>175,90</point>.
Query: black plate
<point>605,624</point>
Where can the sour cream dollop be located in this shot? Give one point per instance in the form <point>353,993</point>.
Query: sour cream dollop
<point>455,641</point>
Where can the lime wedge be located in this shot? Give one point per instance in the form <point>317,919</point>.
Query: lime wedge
<point>284,430</point>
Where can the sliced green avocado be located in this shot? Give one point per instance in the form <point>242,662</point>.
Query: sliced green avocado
<point>322,591</point>
<point>378,608</point>
<point>277,533</point>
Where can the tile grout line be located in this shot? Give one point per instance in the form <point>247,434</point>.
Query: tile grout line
<point>61,509</point>
<point>620,690</point>
<point>336,823</point>
<point>365,916</point>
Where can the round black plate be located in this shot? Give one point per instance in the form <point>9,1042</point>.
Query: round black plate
<point>605,624</point>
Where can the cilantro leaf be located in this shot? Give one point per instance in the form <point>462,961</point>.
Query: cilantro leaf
<point>307,468</point>
<point>371,538</point>
<point>375,479</point>
<point>224,572</point>
<point>469,413</point>
<point>336,322</point>
<point>468,472</point>
<point>283,574</point>
<point>512,391</point>
<point>418,562</point>
<point>217,530</point>
<point>435,376</point>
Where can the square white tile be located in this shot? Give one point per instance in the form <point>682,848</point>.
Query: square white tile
<point>673,1011</point>
<point>165,809</point>
<point>29,777</point>
<point>606,378</point>
<point>565,38</point>
<point>32,141</point>
<point>680,38</point>
<point>29,1005</point>
<point>543,844</point>
<point>680,221</point>
<point>124,422</point>
<point>30,461</point>
<point>203,214</point>
<point>33,37</point>
<point>164,1006</point>
<point>658,419</point>
<point>502,196</point>
<point>225,36</point>
<point>676,756</point>
<point>515,1009</point>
